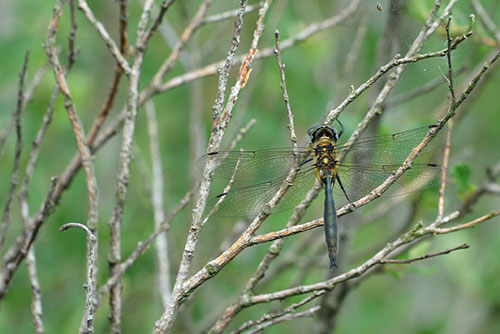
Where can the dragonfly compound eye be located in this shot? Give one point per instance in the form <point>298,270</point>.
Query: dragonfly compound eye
<point>322,130</point>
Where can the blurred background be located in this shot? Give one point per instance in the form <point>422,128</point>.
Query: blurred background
<point>456,293</point>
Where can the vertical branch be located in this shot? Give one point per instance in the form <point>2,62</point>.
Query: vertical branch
<point>72,34</point>
<point>36,304</point>
<point>36,295</point>
<point>14,179</point>
<point>83,149</point>
<point>281,66</point>
<point>157,199</point>
<point>123,175</point>
<point>450,66</point>
<point>446,154</point>
<point>89,285</point>
<point>78,130</point>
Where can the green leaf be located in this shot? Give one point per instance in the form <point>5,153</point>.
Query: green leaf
<point>461,173</point>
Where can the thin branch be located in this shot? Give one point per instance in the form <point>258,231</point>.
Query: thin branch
<point>426,256</point>
<point>90,284</point>
<point>83,149</point>
<point>186,35</point>
<point>16,253</point>
<point>157,185</point>
<point>163,10</point>
<point>428,87</point>
<point>36,294</point>
<point>451,85</point>
<point>123,174</point>
<point>14,179</point>
<point>270,316</point>
<point>467,225</point>
<point>281,66</point>
<point>110,43</point>
<point>30,166</point>
<point>286,317</point>
<point>230,14</point>
<point>72,34</point>
<point>108,104</point>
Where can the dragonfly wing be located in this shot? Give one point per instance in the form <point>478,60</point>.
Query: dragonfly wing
<point>248,201</point>
<point>388,149</point>
<point>359,180</point>
<point>252,167</point>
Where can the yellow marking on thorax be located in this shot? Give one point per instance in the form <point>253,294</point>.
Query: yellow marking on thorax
<point>325,158</point>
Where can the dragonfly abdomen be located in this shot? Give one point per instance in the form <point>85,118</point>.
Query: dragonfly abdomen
<point>330,223</point>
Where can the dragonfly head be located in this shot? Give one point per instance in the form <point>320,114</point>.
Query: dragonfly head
<point>322,130</point>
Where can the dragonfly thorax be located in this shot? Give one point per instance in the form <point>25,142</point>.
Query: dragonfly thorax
<point>325,157</point>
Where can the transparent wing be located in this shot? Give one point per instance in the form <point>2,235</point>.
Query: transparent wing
<point>253,166</point>
<point>388,149</point>
<point>359,180</point>
<point>368,162</point>
<point>248,201</point>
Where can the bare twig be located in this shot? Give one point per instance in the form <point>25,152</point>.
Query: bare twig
<point>270,316</point>
<point>467,225</point>
<point>426,256</point>
<point>169,63</point>
<point>285,317</point>
<point>12,259</point>
<point>36,294</point>
<point>83,149</point>
<point>108,104</point>
<point>163,10</point>
<point>229,14</point>
<point>428,87</point>
<point>110,43</point>
<point>72,34</point>
<point>157,200</point>
<point>30,167</point>
<point>123,175</point>
<point>91,273</point>
<point>281,66</point>
<point>14,179</point>
<point>451,85</point>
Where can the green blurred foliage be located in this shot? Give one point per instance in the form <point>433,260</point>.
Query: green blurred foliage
<point>454,293</point>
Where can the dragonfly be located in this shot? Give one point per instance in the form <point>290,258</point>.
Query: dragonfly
<point>356,167</point>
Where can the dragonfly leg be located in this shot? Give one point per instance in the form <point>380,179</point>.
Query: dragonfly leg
<point>342,187</point>
<point>305,161</point>
<point>341,129</point>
